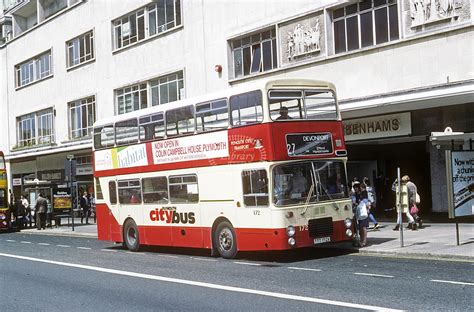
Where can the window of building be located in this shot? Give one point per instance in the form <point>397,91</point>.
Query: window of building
<point>81,117</point>
<point>146,22</point>
<point>35,128</point>
<point>163,90</point>
<point>131,98</point>
<point>184,189</point>
<point>255,187</point>
<point>212,115</point>
<point>155,190</point>
<point>80,49</point>
<point>167,88</point>
<point>255,53</point>
<point>363,24</point>
<point>34,69</point>
<point>129,192</point>
<point>246,108</point>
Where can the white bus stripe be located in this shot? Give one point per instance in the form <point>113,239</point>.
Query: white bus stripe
<point>206,285</point>
<point>452,282</point>
<point>304,269</point>
<point>374,275</point>
<point>247,263</point>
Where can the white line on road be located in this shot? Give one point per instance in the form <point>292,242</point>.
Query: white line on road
<point>452,282</point>
<point>203,259</point>
<point>25,242</point>
<point>11,240</point>
<point>135,253</point>
<point>85,248</point>
<point>206,285</point>
<point>43,244</point>
<point>374,275</point>
<point>304,269</point>
<point>247,263</point>
<point>110,250</point>
<point>63,246</point>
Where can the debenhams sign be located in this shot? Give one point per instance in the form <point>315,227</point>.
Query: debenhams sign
<point>377,127</point>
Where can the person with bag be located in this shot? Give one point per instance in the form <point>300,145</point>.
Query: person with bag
<point>25,204</point>
<point>405,210</point>
<point>359,201</point>
<point>414,201</point>
<point>371,205</point>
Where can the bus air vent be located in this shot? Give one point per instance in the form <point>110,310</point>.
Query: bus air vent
<point>320,227</point>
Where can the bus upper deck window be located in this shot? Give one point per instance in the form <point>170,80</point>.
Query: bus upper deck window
<point>320,104</point>
<point>152,127</point>
<point>126,132</point>
<point>212,115</point>
<point>246,108</point>
<point>180,121</point>
<point>104,136</point>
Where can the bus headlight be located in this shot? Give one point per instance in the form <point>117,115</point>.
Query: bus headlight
<point>291,241</point>
<point>290,231</point>
<point>348,222</point>
<point>348,232</point>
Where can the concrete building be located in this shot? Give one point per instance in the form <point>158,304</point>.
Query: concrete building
<point>402,68</point>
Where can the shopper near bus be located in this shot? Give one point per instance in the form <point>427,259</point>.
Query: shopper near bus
<point>26,204</point>
<point>85,207</point>
<point>411,221</point>
<point>371,197</point>
<point>412,201</point>
<point>359,202</point>
<point>41,208</point>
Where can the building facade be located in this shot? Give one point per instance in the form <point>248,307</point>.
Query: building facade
<point>402,68</point>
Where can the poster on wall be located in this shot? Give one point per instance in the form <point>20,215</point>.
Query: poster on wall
<point>462,163</point>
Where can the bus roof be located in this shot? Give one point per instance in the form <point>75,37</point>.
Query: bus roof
<point>263,84</point>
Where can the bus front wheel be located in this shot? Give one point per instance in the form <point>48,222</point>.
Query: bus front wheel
<point>130,236</point>
<point>225,240</point>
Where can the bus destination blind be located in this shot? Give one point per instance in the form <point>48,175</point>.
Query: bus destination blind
<point>305,144</point>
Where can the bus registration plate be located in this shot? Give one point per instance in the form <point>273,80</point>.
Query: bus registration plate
<point>322,240</point>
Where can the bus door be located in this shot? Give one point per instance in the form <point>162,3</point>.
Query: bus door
<point>186,214</point>
<point>112,230</point>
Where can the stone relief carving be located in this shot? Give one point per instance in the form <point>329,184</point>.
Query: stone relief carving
<point>303,40</point>
<point>428,11</point>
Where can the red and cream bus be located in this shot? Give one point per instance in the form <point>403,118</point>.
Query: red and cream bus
<point>260,167</point>
<point>5,213</point>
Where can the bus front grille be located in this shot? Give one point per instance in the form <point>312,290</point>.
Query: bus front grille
<point>320,227</point>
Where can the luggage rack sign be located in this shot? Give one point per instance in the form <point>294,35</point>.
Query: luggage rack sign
<point>306,144</point>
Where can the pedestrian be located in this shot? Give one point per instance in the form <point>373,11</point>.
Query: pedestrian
<point>25,204</point>
<point>49,212</point>
<point>359,202</point>
<point>85,207</point>
<point>413,201</point>
<point>372,198</point>
<point>41,208</point>
<point>411,221</point>
<point>93,207</point>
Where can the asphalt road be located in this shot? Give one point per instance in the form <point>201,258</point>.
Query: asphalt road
<point>69,273</point>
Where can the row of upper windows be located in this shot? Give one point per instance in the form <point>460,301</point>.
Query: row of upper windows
<point>154,19</point>
<point>355,26</point>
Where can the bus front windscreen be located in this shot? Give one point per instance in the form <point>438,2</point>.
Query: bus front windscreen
<point>309,182</point>
<point>302,104</point>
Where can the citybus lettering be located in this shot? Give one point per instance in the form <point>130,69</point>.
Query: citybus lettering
<point>171,216</point>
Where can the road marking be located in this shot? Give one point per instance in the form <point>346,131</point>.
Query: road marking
<point>453,282</point>
<point>63,246</point>
<point>135,253</point>
<point>11,240</point>
<point>25,242</point>
<point>205,285</point>
<point>304,269</point>
<point>374,275</point>
<point>43,244</point>
<point>203,259</point>
<point>85,248</point>
<point>247,263</point>
<point>110,250</point>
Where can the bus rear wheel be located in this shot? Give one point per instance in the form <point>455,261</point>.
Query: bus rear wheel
<point>131,238</point>
<point>225,240</point>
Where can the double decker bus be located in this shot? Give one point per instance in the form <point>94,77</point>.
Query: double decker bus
<point>259,167</point>
<point>5,215</point>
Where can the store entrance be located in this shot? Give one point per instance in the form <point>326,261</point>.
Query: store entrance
<point>411,157</point>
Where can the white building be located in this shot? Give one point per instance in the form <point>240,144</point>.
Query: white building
<point>402,68</point>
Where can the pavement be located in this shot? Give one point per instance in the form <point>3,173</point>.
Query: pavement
<point>432,241</point>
